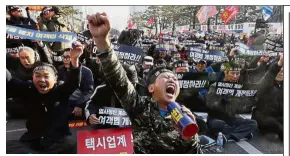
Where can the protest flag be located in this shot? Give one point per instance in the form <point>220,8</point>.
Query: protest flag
<point>130,24</point>
<point>205,12</point>
<point>229,13</point>
<point>267,12</point>
<point>150,20</point>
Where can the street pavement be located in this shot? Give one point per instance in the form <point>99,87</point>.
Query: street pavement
<point>258,145</point>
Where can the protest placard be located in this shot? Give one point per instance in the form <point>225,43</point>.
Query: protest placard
<point>236,89</point>
<point>67,37</point>
<point>128,54</point>
<point>105,141</point>
<point>113,116</point>
<point>196,80</point>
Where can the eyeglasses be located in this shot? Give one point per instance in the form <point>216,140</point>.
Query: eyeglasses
<point>66,57</point>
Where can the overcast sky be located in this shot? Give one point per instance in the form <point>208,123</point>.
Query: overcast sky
<point>119,15</point>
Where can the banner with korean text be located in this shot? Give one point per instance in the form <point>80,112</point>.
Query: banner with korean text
<point>105,141</point>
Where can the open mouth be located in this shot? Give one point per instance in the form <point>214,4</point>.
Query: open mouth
<point>170,89</point>
<point>42,86</point>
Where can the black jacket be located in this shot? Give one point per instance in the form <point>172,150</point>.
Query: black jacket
<point>103,96</point>
<point>253,75</point>
<point>86,89</point>
<point>47,117</point>
<point>152,133</point>
<point>270,96</point>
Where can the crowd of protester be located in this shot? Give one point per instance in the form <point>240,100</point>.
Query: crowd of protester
<point>51,83</point>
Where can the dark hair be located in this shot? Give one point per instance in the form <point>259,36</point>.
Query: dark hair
<point>161,61</point>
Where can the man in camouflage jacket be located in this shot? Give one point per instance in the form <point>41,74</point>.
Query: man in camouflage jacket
<point>152,133</point>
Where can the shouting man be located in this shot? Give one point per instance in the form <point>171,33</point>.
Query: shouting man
<point>152,132</point>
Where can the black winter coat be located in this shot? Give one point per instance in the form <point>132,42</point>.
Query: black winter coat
<point>47,117</point>
<point>270,96</point>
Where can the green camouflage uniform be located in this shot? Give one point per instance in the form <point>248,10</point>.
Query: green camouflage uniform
<point>152,133</point>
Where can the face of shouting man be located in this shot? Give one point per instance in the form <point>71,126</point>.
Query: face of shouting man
<point>44,78</point>
<point>165,88</point>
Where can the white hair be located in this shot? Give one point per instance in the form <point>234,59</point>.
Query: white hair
<point>31,51</point>
<point>27,49</point>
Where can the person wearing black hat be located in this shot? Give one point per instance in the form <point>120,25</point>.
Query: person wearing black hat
<point>15,18</point>
<point>52,21</point>
<point>47,123</point>
<point>200,67</point>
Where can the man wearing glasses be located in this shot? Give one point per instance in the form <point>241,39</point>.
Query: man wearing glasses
<point>83,93</point>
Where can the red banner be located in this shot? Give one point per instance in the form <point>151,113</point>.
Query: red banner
<point>130,24</point>
<point>106,141</point>
<point>229,13</point>
<point>150,20</point>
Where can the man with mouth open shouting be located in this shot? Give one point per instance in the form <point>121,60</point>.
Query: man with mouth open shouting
<point>47,123</point>
<point>152,131</point>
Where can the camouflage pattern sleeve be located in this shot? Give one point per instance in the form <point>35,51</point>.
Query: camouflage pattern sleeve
<point>116,78</point>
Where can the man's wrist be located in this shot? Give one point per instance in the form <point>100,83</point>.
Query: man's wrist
<point>75,63</point>
<point>102,45</point>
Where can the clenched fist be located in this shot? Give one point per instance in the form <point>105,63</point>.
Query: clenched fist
<point>99,26</point>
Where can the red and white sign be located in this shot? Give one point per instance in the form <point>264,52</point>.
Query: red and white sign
<point>106,141</point>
